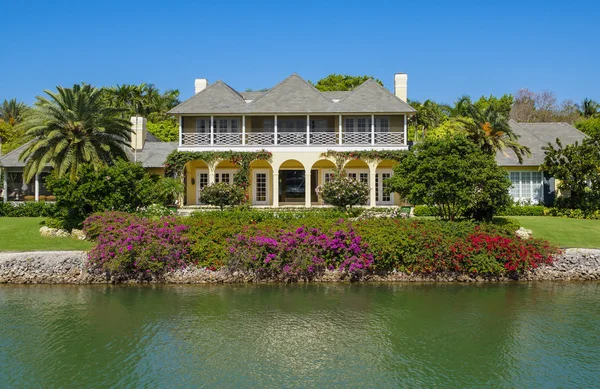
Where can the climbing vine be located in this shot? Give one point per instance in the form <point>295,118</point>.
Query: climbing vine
<point>176,161</point>
<point>366,155</point>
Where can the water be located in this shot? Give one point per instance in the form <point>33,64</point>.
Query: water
<point>544,335</point>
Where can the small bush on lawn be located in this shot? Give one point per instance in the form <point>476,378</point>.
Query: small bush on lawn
<point>572,213</point>
<point>300,254</point>
<point>343,191</point>
<point>223,195</point>
<point>135,246</point>
<point>27,209</point>
<point>524,210</point>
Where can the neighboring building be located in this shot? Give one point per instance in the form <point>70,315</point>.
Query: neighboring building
<point>530,184</point>
<point>145,148</point>
<point>297,123</point>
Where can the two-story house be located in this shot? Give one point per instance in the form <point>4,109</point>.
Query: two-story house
<point>297,124</point>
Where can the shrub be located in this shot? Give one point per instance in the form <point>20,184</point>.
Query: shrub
<point>170,189</point>
<point>300,254</point>
<point>137,246</point>
<point>425,210</point>
<point>223,195</point>
<point>524,210</point>
<point>454,175</point>
<point>156,211</point>
<point>343,191</point>
<point>124,186</point>
<point>27,209</point>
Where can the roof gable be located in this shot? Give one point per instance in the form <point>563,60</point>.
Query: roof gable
<point>217,98</point>
<point>292,95</point>
<point>370,96</point>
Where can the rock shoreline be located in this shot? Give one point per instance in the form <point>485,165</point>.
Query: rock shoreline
<point>68,267</point>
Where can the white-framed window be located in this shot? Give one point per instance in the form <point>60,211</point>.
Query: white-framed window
<point>291,125</point>
<point>318,125</point>
<point>382,124</point>
<point>202,126</point>
<point>527,186</point>
<point>349,125</point>
<point>383,195</point>
<point>363,124</point>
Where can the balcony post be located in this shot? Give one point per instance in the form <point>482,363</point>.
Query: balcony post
<point>308,129</point>
<point>276,189</point>
<point>405,131</point>
<point>307,188</point>
<point>372,129</point>
<point>275,130</point>
<point>340,130</point>
<point>243,130</point>
<point>212,130</point>
<point>4,184</point>
<point>180,131</point>
<point>37,187</point>
<point>372,187</point>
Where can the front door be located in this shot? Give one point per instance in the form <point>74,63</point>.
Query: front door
<point>201,182</point>
<point>383,195</point>
<point>261,188</point>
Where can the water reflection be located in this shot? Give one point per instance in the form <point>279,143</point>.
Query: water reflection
<point>389,335</point>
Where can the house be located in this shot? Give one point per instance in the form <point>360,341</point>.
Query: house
<point>145,148</point>
<point>529,183</point>
<point>298,124</point>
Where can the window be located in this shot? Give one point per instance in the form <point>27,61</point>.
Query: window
<point>234,125</point>
<point>526,186</point>
<point>319,125</point>
<point>202,126</point>
<point>382,124</point>
<point>291,125</point>
<point>268,125</point>
<point>349,125</point>
<point>362,125</point>
<point>223,125</point>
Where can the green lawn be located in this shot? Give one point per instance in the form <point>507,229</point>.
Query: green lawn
<point>565,232</point>
<point>23,234</point>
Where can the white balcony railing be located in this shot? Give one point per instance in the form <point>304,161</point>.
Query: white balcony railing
<point>293,139</point>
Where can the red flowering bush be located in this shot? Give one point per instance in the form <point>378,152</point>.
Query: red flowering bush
<point>134,246</point>
<point>300,254</point>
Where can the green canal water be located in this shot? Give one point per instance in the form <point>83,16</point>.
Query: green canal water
<point>543,335</point>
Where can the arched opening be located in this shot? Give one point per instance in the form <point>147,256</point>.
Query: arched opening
<point>195,178</point>
<point>292,183</point>
<point>225,170</point>
<point>323,171</point>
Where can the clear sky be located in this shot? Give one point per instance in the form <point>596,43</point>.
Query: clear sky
<point>447,48</point>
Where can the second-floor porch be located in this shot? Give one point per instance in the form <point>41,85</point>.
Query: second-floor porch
<point>293,130</point>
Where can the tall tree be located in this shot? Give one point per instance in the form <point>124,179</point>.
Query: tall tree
<point>72,127</point>
<point>589,108</point>
<point>342,82</point>
<point>12,111</point>
<point>144,99</point>
<point>491,131</point>
<point>429,116</point>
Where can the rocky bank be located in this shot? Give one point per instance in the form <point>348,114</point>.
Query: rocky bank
<point>68,267</point>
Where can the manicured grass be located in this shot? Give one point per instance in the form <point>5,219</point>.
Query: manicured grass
<point>23,234</point>
<point>565,232</point>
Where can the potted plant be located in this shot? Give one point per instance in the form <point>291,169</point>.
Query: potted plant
<point>170,190</point>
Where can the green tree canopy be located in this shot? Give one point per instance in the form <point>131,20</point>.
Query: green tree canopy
<point>589,126</point>
<point>342,82</point>
<point>454,175</point>
<point>72,127</point>
<point>144,99</point>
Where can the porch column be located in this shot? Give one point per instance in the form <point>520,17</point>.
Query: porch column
<point>180,131</point>
<point>308,129</point>
<point>276,189</point>
<point>340,129</point>
<point>372,129</point>
<point>4,184</point>
<point>372,187</point>
<point>275,130</point>
<point>211,174</point>
<point>307,188</point>
<point>37,188</point>
<point>212,130</point>
<point>243,130</point>
<point>405,131</point>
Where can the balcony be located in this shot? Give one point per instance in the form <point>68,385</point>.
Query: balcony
<point>294,139</point>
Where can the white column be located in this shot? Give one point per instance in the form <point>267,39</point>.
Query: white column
<point>405,131</point>
<point>276,189</point>
<point>212,130</point>
<point>243,130</point>
<point>308,129</point>
<point>340,129</point>
<point>37,188</point>
<point>5,185</point>
<point>372,187</point>
<point>372,129</point>
<point>180,130</point>
<point>307,188</point>
<point>211,174</point>
<point>275,129</point>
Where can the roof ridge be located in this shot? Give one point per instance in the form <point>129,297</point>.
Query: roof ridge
<point>372,81</point>
<point>285,80</point>
<point>526,130</point>
<point>230,89</point>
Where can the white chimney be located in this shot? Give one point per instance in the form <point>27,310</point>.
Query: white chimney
<point>200,84</point>
<point>138,132</point>
<point>401,85</point>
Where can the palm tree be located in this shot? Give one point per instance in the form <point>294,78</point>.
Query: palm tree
<point>429,115</point>
<point>72,127</point>
<point>589,108</point>
<point>12,112</point>
<point>491,131</point>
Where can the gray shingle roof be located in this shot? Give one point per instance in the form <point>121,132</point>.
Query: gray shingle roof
<point>536,136</point>
<point>293,95</point>
<point>11,159</point>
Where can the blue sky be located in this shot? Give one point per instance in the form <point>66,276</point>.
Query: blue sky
<point>447,48</point>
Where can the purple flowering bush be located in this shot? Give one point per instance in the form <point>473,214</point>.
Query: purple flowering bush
<point>300,254</point>
<point>134,246</point>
